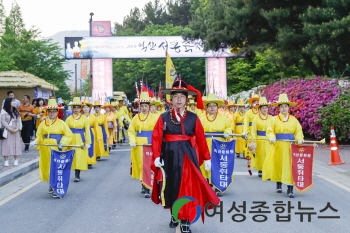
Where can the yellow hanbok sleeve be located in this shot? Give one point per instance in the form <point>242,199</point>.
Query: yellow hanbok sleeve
<point>132,130</point>
<point>87,131</point>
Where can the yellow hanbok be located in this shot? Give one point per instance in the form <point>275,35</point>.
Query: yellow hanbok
<point>218,125</point>
<point>238,121</point>
<point>80,126</point>
<point>101,136</point>
<point>277,165</point>
<point>50,132</point>
<point>140,133</point>
<point>258,132</point>
<point>93,127</point>
<point>112,127</point>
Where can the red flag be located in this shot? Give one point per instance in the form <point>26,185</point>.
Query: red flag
<point>302,164</point>
<point>160,94</point>
<point>147,173</point>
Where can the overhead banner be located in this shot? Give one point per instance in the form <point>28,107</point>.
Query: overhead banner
<point>223,163</point>
<point>139,47</point>
<point>216,77</point>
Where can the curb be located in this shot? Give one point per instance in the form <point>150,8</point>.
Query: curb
<point>14,173</point>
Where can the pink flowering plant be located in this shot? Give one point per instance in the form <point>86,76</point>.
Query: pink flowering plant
<point>310,95</point>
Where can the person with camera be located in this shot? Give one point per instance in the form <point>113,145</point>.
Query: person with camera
<point>27,112</point>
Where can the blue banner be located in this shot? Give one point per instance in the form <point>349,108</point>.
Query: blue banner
<point>61,163</point>
<point>222,163</point>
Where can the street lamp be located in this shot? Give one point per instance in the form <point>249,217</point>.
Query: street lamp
<point>92,87</point>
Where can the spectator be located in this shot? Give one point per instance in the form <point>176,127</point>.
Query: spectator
<point>11,94</point>
<point>10,120</point>
<point>27,112</point>
<point>34,103</point>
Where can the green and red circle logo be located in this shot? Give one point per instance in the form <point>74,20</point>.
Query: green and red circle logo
<point>181,202</point>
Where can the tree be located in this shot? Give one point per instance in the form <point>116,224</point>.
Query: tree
<point>22,49</point>
<point>312,30</point>
<point>179,12</point>
<point>2,18</point>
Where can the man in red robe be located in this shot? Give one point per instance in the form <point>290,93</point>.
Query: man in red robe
<point>179,148</point>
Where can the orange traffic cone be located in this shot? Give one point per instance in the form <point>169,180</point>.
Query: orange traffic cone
<point>335,138</point>
<point>335,157</point>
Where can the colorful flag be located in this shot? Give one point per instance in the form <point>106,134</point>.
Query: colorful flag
<point>160,94</point>
<point>170,72</point>
<point>137,91</point>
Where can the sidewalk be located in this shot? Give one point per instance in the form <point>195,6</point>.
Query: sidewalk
<point>29,161</point>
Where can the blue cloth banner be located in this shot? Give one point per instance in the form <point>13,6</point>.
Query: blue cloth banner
<point>146,133</point>
<point>91,149</point>
<point>104,134</point>
<point>61,163</point>
<point>222,163</point>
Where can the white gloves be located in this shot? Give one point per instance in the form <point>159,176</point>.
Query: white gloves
<point>120,128</point>
<point>33,143</point>
<point>132,144</point>
<point>300,141</point>
<point>226,135</point>
<point>207,165</point>
<point>158,162</point>
<point>87,146</point>
<point>272,140</point>
<point>60,146</point>
<point>38,116</point>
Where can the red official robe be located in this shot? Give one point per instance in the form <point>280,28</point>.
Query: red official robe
<point>184,150</point>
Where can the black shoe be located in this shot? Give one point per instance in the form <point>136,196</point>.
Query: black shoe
<point>124,140</point>
<point>173,223</point>
<point>54,195</point>
<point>290,191</point>
<point>76,179</point>
<point>98,158</point>
<point>185,227</point>
<point>89,166</point>
<point>77,176</point>
<point>113,147</point>
<point>143,191</point>
<point>279,187</point>
<point>109,149</point>
<point>147,195</point>
<point>50,190</point>
<point>238,155</point>
<point>218,193</point>
<point>260,173</point>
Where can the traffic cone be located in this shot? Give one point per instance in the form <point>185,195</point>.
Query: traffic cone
<point>335,138</point>
<point>335,157</point>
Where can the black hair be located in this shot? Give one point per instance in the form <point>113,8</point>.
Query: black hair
<point>34,100</point>
<point>38,100</point>
<point>179,91</point>
<point>28,97</point>
<point>12,111</point>
<point>9,92</point>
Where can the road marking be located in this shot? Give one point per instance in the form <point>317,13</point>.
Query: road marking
<point>122,150</point>
<point>346,188</point>
<point>9,198</point>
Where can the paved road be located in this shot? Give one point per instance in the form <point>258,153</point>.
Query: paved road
<point>108,200</point>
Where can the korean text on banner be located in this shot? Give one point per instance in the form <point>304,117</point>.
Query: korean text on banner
<point>61,163</point>
<point>302,166</point>
<point>222,163</point>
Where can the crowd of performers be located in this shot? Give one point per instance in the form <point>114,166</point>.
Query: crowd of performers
<point>96,133</point>
<point>180,138</point>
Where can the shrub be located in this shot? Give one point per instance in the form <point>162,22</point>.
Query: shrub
<point>337,114</point>
<point>310,95</point>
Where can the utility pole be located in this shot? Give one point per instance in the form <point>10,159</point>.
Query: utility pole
<point>76,81</point>
<point>92,83</point>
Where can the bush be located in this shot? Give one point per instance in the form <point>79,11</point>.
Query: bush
<point>337,114</point>
<point>310,95</point>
